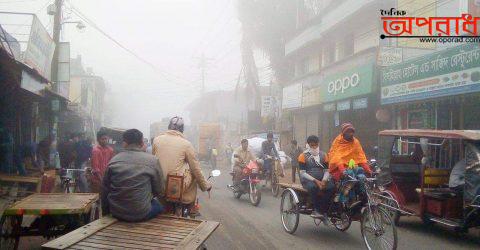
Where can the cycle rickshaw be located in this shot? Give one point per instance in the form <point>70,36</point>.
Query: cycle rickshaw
<point>377,227</point>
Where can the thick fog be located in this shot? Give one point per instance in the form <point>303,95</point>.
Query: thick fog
<point>171,35</point>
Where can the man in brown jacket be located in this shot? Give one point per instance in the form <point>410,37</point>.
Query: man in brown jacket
<point>177,156</point>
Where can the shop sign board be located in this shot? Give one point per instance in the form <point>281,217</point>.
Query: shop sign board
<point>329,107</point>
<point>292,96</point>
<point>388,56</point>
<point>354,82</point>
<point>449,72</point>
<point>361,103</point>
<point>269,105</point>
<point>343,105</point>
<point>40,49</point>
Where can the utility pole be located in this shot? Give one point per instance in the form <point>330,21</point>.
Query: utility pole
<point>203,64</point>
<point>57,29</point>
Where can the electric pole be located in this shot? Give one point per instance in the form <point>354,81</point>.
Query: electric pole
<point>57,29</point>
<point>203,64</point>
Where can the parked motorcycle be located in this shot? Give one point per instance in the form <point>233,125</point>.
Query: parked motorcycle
<point>248,184</point>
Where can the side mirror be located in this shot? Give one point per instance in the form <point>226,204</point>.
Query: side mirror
<point>216,173</point>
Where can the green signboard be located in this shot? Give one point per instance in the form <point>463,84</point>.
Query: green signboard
<point>448,72</point>
<point>354,82</point>
<point>456,59</point>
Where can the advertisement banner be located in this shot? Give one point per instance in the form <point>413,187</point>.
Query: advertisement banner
<point>448,72</point>
<point>354,82</point>
<point>40,49</point>
<point>292,96</point>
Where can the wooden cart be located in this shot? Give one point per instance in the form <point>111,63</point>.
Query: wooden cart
<point>48,215</point>
<point>162,232</point>
<point>17,186</point>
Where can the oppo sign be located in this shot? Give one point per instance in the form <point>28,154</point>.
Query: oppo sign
<point>340,85</point>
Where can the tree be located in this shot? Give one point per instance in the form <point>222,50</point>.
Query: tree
<point>266,24</point>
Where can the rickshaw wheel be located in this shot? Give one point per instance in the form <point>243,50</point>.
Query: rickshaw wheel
<point>274,183</point>
<point>289,212</point>
<point>9,225</point>
<point>378,230</point>
<point>394,214</point>
<point>342,224</point>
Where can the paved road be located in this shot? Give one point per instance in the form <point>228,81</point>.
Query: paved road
<point>244,226</point>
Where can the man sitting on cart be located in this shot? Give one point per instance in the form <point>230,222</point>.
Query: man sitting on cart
<point>132,180</point>
<point>345,148</point>
<point>242,156</point>
<point>314,177</point>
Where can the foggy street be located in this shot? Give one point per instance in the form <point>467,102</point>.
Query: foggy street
<point>120,120</point>
<point>244,226</point>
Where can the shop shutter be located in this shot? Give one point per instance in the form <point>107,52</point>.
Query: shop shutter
<point>300,125</point>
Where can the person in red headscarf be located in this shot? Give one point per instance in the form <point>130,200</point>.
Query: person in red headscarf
<point>344,148</point>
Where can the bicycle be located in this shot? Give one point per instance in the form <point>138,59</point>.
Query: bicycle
<point>69,177</point>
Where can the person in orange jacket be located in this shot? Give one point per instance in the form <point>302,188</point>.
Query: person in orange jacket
<point>344,148</point>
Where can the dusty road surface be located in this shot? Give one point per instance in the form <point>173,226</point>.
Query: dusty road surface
<point>244,226</point>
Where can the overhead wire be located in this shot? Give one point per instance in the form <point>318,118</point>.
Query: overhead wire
<point>166,75</point>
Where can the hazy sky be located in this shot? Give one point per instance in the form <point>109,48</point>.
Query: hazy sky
<point>171,34</point>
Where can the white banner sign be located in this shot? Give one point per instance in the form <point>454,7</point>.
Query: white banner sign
<point>389,56</point>
<point>40,49</point>
<point>292,96</point>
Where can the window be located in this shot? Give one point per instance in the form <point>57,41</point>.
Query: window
<point>348,45</point>
<point>328,54</point>
<point>301,67</point>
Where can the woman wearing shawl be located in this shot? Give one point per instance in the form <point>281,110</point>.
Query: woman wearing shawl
<point>345,148</point>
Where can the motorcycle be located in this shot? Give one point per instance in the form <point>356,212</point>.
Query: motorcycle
<point>248,184</point>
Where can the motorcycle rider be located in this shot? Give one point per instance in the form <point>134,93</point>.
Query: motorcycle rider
<point>269,152</point>
<point>242,156</point>
<point>177,156</point>
<point>314,177</point>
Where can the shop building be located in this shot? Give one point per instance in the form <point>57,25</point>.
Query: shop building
<point>440,90</point>
<point>337,71</point>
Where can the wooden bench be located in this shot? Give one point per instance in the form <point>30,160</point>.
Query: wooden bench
<point>162,232</point>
